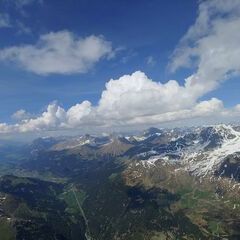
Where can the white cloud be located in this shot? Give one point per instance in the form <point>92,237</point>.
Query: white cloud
<point>50,119</point>
<point>76,114</point>
<point>21,114</point>
<point>237,108</point>
<point>59,52</point>
<point>54,118</point>
<point>136,94</point>
<point>211,45</point>
<point>4,20</point>
<point>132,100</point>
<point>5,128</point>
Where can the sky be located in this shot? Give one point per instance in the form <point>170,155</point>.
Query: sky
<point>92,65</point>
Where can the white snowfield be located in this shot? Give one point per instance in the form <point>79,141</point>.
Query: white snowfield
<point>199,161</point>
<point>202,163</point>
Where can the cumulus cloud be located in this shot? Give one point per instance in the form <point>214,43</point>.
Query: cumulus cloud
<point>76,114</point>
<point>136,94</point>
<point>59,52</point>
<point>131,100</point>
<point>54,118</point>
<point>50,119</point>
<point>5,128</point>
<point>210,47</point>
<point>21,114</point>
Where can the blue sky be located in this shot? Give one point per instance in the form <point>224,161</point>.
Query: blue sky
<point>143,28</point>
<point>143,35</point>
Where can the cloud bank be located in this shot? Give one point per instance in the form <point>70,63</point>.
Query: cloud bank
<point>132,100</point>
<point>210,47</point>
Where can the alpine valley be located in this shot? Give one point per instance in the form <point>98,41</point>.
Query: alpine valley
<point>181,183</point>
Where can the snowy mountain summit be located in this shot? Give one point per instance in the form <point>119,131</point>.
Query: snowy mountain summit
<point>207,157</point>
<point>201,151</point>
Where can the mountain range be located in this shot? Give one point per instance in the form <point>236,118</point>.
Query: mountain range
<point>181,183</point>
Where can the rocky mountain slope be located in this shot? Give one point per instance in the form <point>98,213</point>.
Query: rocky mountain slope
<point>158,184</point>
